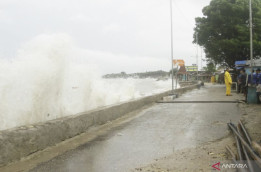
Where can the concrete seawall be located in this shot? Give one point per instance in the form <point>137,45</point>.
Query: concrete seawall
<point>23,141</point>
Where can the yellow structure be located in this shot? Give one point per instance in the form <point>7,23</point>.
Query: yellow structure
<point>213,79</point>
<point>179,62</point>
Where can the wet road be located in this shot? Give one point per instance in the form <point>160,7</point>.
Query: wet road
<point>154,134</point>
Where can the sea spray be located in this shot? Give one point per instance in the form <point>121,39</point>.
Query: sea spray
<point>47,80</point>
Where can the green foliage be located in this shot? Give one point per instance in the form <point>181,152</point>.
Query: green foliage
<point>211,68</point>
<point>224,31</point>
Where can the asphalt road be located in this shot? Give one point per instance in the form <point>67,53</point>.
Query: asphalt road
<point>157,132</point>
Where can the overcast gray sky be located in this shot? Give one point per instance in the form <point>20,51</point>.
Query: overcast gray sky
<point>123,35</point>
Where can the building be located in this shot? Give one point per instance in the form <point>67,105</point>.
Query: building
<point>182,74</point>
<point>191,68</point>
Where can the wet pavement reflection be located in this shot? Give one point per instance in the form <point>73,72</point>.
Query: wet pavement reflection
<point>156,133</point>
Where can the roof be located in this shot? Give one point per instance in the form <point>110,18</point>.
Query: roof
<point>182,70</point>
<point>256,62</point>
<point>179,62</point>
<point>240,63</point>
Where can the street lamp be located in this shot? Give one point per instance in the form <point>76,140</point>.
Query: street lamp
<point>171,31</point>
<point>197,53</point>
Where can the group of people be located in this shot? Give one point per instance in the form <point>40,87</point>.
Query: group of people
<point>255,80</point>
<point>244,81</point>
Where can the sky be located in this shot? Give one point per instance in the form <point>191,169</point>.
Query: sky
<point>122,35</point>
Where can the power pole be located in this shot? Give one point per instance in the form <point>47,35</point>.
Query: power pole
<point>171,23</point>
<point>197,53</point>
<point>201,57</point>
<point>251,37</point>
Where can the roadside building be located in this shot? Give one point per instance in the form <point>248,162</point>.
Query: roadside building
<point>182,74</point>
<point>191,68</point>
<point>246,64</point>
<point>204,76</point>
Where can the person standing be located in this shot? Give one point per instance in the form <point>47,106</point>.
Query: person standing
<point>254,77</point>
<point>228,82</point>
<point>257,76</point>
<point>242,81</point>
<point>239,83</point>
<point>217,78</point>
<point>258,85</point>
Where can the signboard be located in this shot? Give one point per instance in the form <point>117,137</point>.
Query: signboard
<point>191,68</point>
<point>179,62</point>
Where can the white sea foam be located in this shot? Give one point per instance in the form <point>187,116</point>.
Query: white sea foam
<point>48,80</point>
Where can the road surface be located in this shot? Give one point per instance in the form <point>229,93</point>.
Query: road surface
<point>157,132</point>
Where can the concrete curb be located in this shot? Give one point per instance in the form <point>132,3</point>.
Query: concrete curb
<point>23,141</point>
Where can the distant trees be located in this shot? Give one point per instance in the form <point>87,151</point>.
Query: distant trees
<point>175,70</point>
<point>211,68</point>
<point>123,73</point>
<point>151,74</point>
<point>224,31</point>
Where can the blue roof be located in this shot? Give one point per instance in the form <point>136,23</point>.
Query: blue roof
<point>240,63</point>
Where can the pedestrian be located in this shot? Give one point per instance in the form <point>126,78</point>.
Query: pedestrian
<point>258,87</point>
<point>254,77</point>
<point>257,76</point>
<point>228,82</point>
<point>217,78</point>
<point>239,90</point>
<point>242,81</point>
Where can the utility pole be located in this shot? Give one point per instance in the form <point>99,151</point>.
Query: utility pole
<point>201,57</point>
<point>197,53</point>
<point>171,23</point>
<point>251,37</point>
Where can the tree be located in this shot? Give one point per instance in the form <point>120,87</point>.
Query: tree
<point>211,68</point>
<point>224,31</point>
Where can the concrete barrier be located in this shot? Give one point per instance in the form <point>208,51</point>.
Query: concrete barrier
<point>23,141</point>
